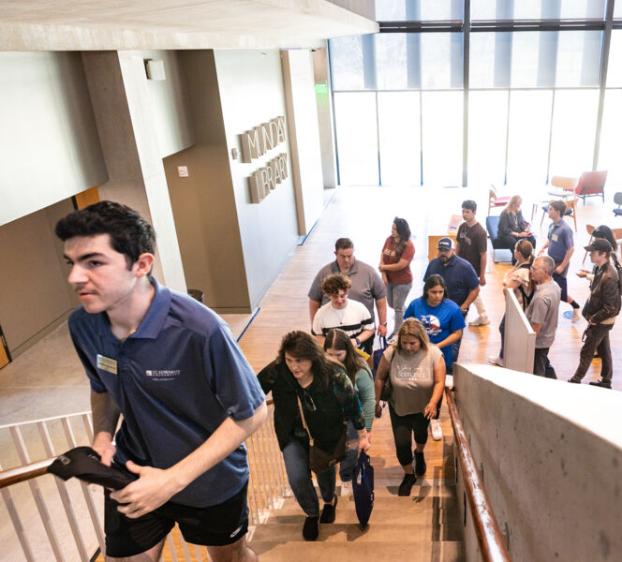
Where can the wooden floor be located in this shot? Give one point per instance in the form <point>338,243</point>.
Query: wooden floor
<point>365,215</point>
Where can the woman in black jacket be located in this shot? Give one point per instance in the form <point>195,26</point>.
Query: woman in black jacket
<point>303,377</point>
<point>512,226</point>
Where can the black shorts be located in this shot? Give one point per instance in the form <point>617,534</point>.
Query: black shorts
<point>216,525</point>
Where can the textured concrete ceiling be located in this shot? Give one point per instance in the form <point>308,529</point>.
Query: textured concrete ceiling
<point>170,24</point>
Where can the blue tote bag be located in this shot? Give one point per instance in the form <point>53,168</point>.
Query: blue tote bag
<point>363,489</point>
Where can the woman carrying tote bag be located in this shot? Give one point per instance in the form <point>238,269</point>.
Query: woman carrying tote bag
<point>313,398</point>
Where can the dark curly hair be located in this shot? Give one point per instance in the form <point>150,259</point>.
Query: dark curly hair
<point>403,231</point>
<point>335,283</point>
<point>130,234</point>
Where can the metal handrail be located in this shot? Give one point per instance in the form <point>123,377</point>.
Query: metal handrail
<point>489,535</point>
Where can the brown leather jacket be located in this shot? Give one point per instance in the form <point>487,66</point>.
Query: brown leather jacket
<point>604,300</point>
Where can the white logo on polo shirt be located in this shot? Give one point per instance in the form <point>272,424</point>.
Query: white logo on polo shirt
<point>163,374</point>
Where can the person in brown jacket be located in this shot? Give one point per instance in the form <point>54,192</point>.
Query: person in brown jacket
<point>600,311</point>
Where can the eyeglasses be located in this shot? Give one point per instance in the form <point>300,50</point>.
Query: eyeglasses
<point>308,402</point>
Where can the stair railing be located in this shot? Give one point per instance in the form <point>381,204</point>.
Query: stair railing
<point>83,513</point>
<point>489,536</point>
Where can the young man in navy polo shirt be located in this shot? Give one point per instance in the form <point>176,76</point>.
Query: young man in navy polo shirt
<point>188,397</point>
<point>560,245</point>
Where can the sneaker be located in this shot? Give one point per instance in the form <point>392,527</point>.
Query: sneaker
<point>495,360</point>
<point>407,483</point>
<point>601,383</point>
<point>420,466</point>
<point>480,321</point>
<point>576,316</point>
<point>436,429</point>
<point>311,528</point>
<point>328,511</point>
<point>574,380</point>
<point>346,489</point>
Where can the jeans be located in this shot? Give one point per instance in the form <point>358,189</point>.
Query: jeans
<point>346,466</point>
<point>403,429</point>
<point>296,457</point>
<point>541,364</point>
<point>596,338</point>
<point>396,297</point>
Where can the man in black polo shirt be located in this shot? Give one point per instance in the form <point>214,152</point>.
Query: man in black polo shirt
<point>472,245</point>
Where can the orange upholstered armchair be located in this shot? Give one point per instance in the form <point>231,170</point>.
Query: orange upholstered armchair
<point>591,184</point>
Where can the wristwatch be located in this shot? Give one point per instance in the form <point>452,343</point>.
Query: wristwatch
<point>383,323</point>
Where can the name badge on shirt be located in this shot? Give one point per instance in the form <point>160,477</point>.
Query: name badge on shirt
<point>106,364</point>
<point>554,237</point>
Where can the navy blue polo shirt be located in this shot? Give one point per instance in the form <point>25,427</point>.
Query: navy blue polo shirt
<point>560,240</point>
<point>176,379</point>
<point>459,276</point>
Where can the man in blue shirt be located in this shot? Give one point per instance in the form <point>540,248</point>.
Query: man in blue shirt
<point>188,397</point>
<point>460,277</point>
<point>560,246</point>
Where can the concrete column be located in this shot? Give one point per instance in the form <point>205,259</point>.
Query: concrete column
<point>117,87</point>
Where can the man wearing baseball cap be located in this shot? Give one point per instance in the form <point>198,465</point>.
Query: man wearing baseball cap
<point>460,277</point>
<point>600,311</point>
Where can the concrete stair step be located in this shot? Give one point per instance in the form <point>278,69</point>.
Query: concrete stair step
<point>346,552</point>
<point>413,532</point>
<point>398,510</point>
<point>320,551</point>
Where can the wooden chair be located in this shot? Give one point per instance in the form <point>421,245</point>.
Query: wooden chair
<point>563,182</point>
<point>571,211</point>
<point>495,200</point>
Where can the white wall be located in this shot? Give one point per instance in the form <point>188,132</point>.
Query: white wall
<point>50,147</point>
<point>251,93</point>
<point>551,457</point>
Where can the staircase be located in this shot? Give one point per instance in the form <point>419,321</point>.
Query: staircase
<point>423,527</point>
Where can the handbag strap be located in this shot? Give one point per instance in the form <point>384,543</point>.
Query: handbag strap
<point>304,420</point>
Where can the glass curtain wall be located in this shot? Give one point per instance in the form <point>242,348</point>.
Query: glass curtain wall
<point>534,73</point>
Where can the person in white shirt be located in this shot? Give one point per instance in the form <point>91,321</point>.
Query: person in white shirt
<point>340,312</point>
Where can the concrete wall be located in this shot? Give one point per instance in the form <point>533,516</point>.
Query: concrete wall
<point>551,458</point>
<point>304,136</point>
<point>251,93</point>
<point>127,130</point>
<point>35,294</point>
<point>204,203</point>
<point>169,105</point>
<point>50,147</point>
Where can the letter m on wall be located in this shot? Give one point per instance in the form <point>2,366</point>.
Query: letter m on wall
<point>251,145</point>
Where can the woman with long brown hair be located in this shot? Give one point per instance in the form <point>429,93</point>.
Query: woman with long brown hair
<point>313,398</point>
<point>397,253</point>
<point>338,346</point>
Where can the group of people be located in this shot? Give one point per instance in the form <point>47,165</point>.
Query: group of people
<point>188,398</point>
<point>540,285</point>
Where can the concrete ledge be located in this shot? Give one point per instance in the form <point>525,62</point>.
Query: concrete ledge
<point>550,454</point>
